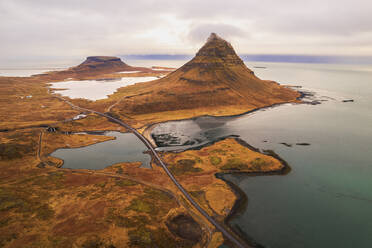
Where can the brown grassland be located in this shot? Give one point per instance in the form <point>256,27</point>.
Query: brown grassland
<point>46,206</point>
<point>123,205</point>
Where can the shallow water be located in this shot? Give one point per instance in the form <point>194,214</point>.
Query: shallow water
<point>326,200</point>
<point>95,89</point>
<point>128,72</point>
<point>125,148</point>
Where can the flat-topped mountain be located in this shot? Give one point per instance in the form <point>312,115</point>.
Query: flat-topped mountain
<point>101,63</point>
<point>216,81</point>
<point>95,66</point>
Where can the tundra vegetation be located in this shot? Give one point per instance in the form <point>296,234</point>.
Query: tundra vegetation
<point>124,205</point>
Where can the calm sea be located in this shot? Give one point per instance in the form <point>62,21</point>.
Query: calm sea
<point>326,199</point>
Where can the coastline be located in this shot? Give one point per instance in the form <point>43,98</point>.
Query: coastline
<point>241,202</point>
<point>242,199</point>
<point>147,128</point>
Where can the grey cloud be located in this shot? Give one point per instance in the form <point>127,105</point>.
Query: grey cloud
<point>83,27</point>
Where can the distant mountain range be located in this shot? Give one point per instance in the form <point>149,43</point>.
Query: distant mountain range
<point>289,58</point>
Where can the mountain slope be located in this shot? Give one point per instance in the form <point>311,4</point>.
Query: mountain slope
<point>100,63</point>
<point>216,81</point>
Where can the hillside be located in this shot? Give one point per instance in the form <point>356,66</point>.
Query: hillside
<point>216,82</point>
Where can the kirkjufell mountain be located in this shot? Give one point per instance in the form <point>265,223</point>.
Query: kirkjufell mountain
<point>216,81</point>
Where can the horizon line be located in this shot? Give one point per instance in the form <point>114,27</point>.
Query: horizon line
<point>294,58</point>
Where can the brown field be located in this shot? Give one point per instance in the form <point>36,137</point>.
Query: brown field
<point>123,205</point>
<point>52,207</point>
<point>44,206</point>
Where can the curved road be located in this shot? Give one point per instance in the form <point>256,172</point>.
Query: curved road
<point>218,226</point>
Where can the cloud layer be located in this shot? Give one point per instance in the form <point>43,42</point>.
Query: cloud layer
<point>87,27</point>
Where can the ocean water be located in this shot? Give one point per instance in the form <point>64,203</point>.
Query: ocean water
<point>22,72</point>
<point>326,199</point>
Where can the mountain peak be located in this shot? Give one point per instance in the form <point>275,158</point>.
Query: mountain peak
<point>216,53</point>
<point>213,36</point>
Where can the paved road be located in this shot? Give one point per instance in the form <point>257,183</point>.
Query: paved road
<point>218,226</point>
<point>39,147</point>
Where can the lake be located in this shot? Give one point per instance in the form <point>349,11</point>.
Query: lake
<point>125,148</point>
<point>326,199</point>
<point>95,89</point>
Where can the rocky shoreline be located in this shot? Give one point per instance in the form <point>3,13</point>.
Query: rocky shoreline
<point>242,199</point>
<point>148,128</point>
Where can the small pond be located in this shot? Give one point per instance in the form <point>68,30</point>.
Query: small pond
<point>125,148</point>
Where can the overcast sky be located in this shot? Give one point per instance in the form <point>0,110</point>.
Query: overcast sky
<point>77,28</point>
